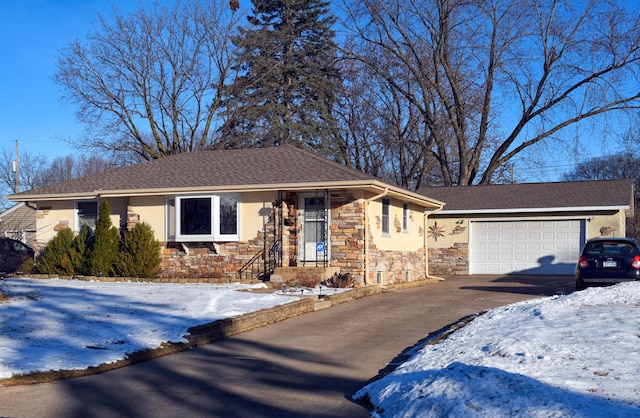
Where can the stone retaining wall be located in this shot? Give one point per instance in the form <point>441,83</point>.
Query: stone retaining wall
<point>224,328</point>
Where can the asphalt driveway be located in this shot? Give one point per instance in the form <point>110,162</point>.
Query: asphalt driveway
<point>308,366</point>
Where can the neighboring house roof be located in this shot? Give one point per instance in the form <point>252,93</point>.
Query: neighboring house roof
<point>535,197</point>
<point>18,217</point>
<point>258,169</point>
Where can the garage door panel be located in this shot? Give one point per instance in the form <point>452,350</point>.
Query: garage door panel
<point>550,247</point>
<point>520,236</point>
<point>520,246</point>
<point>528,247</point>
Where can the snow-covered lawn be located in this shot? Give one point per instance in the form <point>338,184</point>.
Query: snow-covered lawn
<point>71,325</point>
<point>576,355</point>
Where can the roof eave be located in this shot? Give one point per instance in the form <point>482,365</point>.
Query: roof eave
<point>533,210</point>
<point>374,186</point>
<point>57,196</point>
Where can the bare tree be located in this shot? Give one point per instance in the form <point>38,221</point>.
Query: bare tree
<point>382,133</point>
<point>613,167</point>
<point>71,167</point>
<point>150,83</point>
<point>491,78</point>
<point>37,170</point>
<point>33,171</point>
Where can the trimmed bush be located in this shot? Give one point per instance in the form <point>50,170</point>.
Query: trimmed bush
<point>28,266</point>
<point>56,258</point>
<point>79,250</point>
<point>139,253</point>
<point>103,253</point>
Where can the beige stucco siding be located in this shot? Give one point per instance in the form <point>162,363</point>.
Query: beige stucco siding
<point>445,232</point>
<point>151,210</point>
<point>256,208</point>
<point>606,225</point>
<point>52,216</point>
<point>118,207</point>
<point>397,239</point>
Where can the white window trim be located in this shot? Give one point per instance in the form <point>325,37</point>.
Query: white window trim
<point>215,235</point>
<point>382,217</point>
<point>405,217</point>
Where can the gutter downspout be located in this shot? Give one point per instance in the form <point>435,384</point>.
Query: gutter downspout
<point>366,233</point>
<point>426,242</point>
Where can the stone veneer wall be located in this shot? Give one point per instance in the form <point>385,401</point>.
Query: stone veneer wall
<point>223,260</point>
<point>347,234</point>
<point>395,265</point>
<point>205,259</point>
<point>198,259</point>
<point>452,261</point>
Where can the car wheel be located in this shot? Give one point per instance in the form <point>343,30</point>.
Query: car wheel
<point>580,284</point>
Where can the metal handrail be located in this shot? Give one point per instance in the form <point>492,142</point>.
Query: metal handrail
<point>265,265</point>
<point>249,265</point>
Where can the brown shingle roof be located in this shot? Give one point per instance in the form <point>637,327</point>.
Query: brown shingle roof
<point>244,169</point>
<point>543,196</point>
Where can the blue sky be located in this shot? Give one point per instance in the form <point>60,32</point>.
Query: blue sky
<point>32,33</point>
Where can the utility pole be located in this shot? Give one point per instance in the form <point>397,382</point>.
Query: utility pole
<point>16,170</point>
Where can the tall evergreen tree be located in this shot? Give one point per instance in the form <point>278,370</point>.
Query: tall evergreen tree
<point>104,251</point>
<point>287,79</point>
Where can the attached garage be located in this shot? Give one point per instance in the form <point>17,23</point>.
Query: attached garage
<point>525,246</point>
<point>532,228</point>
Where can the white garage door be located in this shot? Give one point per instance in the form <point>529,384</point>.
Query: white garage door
<point>527,247</point>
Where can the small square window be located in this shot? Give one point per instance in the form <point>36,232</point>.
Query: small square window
<point>86,214</point>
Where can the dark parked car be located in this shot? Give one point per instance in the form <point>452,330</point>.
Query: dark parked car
<point>606,261</point>
<point>12,254</point>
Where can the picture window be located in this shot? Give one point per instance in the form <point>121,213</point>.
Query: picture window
<point>205,218</point>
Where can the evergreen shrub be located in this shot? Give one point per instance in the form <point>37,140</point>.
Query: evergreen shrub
<point>139,253</point>
<point>105,248</point>
<point>102,253</point>
<point>56,256</point>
